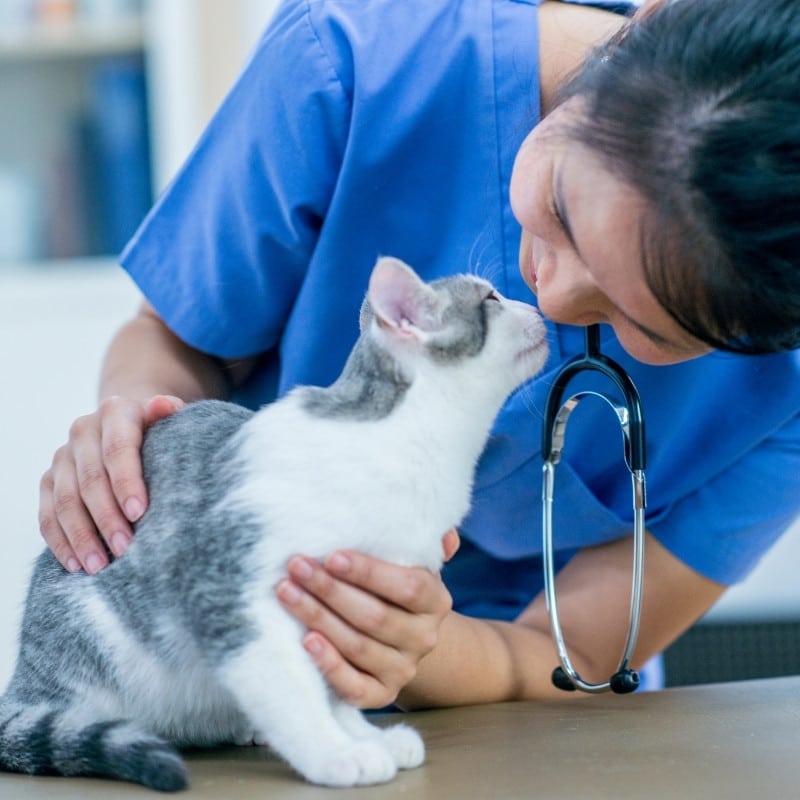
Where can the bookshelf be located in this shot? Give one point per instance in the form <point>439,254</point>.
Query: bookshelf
<point>102,100</point>
<point>22,43</point>
<point>75,163</point>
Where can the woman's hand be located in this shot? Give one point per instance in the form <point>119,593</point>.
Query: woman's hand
<point>94,488</point>
<point>369,622</point>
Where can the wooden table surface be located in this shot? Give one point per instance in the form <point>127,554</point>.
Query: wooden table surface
<point>734,740</point>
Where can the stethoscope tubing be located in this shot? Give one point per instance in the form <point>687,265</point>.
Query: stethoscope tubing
<point>631,420</point>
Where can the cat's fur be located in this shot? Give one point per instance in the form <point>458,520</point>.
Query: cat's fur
<point>182,641</point>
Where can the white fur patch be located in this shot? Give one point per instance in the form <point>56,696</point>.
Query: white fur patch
<point>181,701</point>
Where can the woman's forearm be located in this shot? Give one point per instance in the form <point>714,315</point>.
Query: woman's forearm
<point>478,661</point>
<point>145,359</point>
<point>483,661</point>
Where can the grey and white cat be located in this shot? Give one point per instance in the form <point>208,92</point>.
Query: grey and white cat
<point>181,642</point>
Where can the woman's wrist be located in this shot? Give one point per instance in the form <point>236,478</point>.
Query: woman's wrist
<point>471,663</point>
<point>483,661</point>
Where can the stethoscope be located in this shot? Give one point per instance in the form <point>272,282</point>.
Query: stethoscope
<point>631,420</point>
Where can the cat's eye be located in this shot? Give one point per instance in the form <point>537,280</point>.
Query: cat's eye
<point>492,296</point>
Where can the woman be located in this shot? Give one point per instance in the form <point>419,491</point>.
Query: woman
<point>662,197</point>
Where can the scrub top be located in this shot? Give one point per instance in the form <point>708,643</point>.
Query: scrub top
<point>361,128</point>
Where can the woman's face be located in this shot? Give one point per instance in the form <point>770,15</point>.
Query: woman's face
<point>580,250</point>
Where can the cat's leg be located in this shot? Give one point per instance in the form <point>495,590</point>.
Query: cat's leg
<point>287,701</point>
<point>401,740</point>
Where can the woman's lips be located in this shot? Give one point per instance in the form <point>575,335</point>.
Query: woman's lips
<point>532,271</point>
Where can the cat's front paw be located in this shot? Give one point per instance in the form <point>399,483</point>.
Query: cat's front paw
<point>358,764</point>
<point>406,746</point>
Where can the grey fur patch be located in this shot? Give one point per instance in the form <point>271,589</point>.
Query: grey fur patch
<point>372,383</point>
<point>48,636</point>
<point>369,388</point>
<point>465,323</point>
<point>190,464</point>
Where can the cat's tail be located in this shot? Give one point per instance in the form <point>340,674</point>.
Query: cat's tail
<point>45,740</point>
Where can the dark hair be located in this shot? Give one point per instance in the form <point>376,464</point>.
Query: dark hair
<point>697,106</point>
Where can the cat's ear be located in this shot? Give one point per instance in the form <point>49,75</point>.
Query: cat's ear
<point>401,300</point>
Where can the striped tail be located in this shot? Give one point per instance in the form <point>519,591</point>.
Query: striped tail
<point>44,740</point>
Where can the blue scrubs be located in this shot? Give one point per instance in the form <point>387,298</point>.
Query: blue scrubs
<point>368,127</point>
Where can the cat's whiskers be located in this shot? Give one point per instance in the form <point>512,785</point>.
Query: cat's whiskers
<point>526,396</point>
<point>490,270</point>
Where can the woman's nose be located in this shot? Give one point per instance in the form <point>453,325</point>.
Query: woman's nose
<point>566,290</point>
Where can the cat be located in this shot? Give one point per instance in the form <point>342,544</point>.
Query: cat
<point>181,642</point>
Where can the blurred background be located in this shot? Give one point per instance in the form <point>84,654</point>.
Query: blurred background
<point>101,101</point>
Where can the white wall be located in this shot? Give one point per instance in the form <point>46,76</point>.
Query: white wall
<point>55,323</point>
<point>771,592</point>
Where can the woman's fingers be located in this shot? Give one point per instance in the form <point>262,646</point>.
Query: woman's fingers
<point>54,534</point>
<point>360,668</point>
<point>357,607</point>
<point>370,622</point>
<point>124,425</point>
<point>451,541</point>
<point>358,687</point>
<point>160,406</point>
<point>64,519</point>
<point>415,589</point>
<point>94,489</point>
<point>121,427</point>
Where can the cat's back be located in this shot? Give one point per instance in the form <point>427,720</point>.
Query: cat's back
<point>181,457</point>
<point>190,462</point>
<point>192,449</point>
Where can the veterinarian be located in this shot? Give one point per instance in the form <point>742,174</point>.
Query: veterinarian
<point>660,196</point>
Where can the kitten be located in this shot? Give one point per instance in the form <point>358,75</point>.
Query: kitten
<point>182,641</point>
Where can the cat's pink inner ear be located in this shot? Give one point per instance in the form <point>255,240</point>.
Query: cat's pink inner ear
<point>399,298</point>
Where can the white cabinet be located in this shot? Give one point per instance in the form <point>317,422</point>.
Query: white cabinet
<point>55,324</point>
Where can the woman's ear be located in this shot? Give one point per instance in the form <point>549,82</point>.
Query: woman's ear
<point>401,301</point>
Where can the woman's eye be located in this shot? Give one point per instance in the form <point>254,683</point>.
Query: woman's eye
<point>556,216</point>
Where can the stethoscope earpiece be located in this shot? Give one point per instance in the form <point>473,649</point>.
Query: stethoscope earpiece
<point>624,682</point>
<point>561,680</point>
